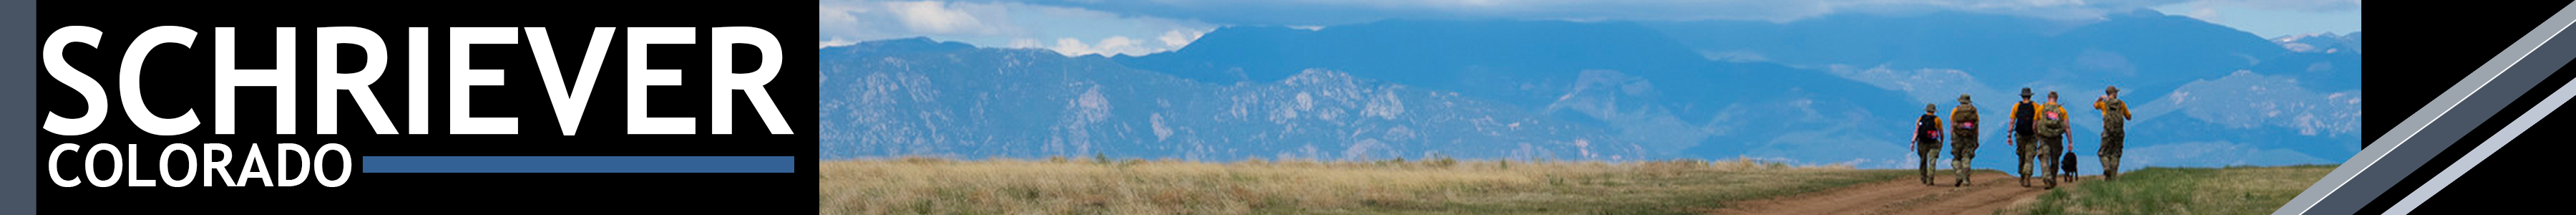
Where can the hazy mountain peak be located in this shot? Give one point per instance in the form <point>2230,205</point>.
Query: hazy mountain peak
<point>1580,90</point>
<point>903,44</point>
<point>2139,13</point>
<point>1426,53</point>
<point>2326,42</point>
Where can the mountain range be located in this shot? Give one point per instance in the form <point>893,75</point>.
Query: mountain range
<point>1833,90</point>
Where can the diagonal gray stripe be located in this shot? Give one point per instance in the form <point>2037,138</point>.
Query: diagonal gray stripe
<point>2435,127</point>
<point>2484,149</point>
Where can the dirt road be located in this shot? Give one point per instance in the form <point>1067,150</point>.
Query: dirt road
<point>1991,191</point>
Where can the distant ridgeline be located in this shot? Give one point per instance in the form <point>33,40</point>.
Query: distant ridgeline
<point>1838,89</point>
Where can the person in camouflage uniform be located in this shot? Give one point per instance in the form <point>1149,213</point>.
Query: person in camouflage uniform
<point>2052,124</point>
<point>1927,141</point>
<point>2115,117</point>
<point>1963,138</point>
<point>2023,138</point>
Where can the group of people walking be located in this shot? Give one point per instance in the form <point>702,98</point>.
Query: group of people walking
<point>2039,132</point>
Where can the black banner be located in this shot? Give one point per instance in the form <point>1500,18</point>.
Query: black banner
<point>674,40</point>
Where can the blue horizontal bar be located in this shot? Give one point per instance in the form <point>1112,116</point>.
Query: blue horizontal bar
<point>577,164</point>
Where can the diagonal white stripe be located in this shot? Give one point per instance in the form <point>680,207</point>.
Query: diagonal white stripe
<point>2450,100</point>
<point>2484,150</point>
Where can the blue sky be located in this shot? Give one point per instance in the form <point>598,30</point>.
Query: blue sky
<point>994,24</point>
<point>1084,27</point>
<point>2272,20</point>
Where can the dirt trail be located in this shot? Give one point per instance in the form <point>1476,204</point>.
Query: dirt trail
<point>1991,191</point>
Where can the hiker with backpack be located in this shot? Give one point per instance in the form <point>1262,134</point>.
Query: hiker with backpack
<point>2051,129</point>
<point>1963,138</point>
<point>1927,140</point>
<point>2023,136</point>
<point>2115,116</point>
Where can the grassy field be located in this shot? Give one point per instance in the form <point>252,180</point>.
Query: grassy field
<point>2233,190</point>
<point>1097,186</point>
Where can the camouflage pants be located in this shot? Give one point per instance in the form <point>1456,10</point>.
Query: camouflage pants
<point>1963,147</point>
<point>2023,147</point>
<point>2047,154</point>
<point>1930,152</point>
<point>2111,143</point>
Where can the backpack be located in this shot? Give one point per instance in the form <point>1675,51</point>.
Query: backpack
<point>2052,123</point>
<point>2114,112</point>
<point>2022,117</point>
<point>1930,126</point>
<point>1964,119</point>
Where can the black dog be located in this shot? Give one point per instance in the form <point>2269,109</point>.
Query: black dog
<point>2069,165</point>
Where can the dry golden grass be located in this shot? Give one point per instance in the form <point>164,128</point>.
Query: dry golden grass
<point>1439,186</point>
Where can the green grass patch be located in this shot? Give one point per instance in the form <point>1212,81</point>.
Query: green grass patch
<point>2231,190</point>
<point>1679,192</point>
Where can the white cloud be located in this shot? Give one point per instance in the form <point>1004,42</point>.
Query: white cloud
<point>1176,38</point>
<point>1071,46</point>
<point>1026,43</point>
<point>2274,18</point>
<point>1117,42</point>
<point>1333,12</point>
<point>2203,13</point>
<point>2294,5</point>
<point>836,42</point>
<point>1004,25</point>
<point>1174,23</point>
<point>838,12</point>
<point>934,17</point>
<point>1739,56</point>
<point>1114,45</point>
<point>873,20</point>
